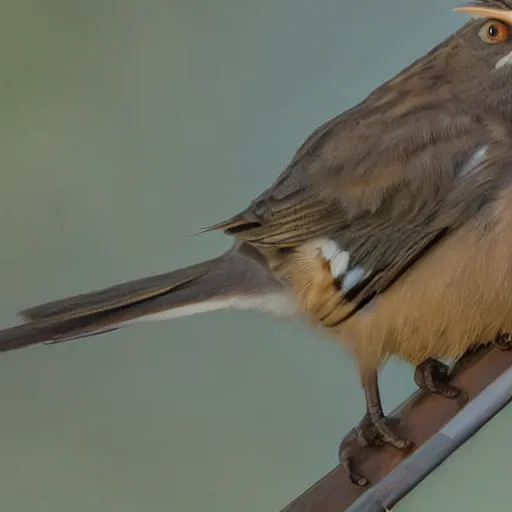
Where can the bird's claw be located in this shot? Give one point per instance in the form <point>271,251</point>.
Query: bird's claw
<point>503,341</point>
<point>369,433</point>
<point>434,376</point>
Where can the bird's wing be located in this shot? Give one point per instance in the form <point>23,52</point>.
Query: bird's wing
<point>386,191</point>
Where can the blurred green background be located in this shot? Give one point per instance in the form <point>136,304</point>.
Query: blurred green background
<point>125,126</point>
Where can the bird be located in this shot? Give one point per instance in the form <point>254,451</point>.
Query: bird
<point>390,229</point>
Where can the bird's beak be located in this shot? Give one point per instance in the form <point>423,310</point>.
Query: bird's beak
<point>481,11</point>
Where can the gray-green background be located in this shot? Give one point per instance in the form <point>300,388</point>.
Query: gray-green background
<point>125,126</point>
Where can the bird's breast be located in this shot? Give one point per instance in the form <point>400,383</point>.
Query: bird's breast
<point>458,295</point>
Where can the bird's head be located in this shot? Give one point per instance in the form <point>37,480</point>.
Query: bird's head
<point>474,63</point>
<point>485,42</point>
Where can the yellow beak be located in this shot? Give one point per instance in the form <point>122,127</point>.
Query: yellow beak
<point>479,11</point>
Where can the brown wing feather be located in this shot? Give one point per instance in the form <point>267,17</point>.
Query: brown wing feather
<point>387,191</point>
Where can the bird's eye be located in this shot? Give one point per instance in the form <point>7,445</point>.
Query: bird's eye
<point>494,32</point>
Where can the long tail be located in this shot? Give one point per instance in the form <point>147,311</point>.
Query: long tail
<point>233,279</point>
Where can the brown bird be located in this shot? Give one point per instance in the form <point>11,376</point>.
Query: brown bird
<point>391,228</point>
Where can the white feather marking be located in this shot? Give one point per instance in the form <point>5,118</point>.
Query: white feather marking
<point>504,61</point>
<point>337,258</point>
<point>330,249</point>
<point>340,264</point>
<point>474,161</point>
<point>190,309</point>
<point>278,304</point>
<point>352,278</point>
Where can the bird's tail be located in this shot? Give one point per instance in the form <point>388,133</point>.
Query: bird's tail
<point>234,279</point>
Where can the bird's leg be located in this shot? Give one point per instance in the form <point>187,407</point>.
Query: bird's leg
<point>374,429</point>
<point>434,376</point>
<point>380,425</point>
<point>503,341</point>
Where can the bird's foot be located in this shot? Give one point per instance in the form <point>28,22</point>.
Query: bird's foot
<point>377,432</point>
<point>503,341</point>
<point>434,376</point>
